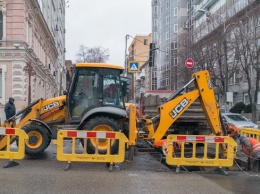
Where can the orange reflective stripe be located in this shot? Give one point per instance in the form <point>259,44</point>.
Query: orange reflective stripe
<point>255,149</point>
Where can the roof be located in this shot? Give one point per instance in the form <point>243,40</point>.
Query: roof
<point>104,65</point>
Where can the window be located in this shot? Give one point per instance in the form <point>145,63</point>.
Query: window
<point>175,45</point>
<point>167,19</point>
<point>155,22</point>
<point>167,4</point>
<point>1,25</point>
<point>175,11</point>
<point>155,9</point>
<point>246,99</point>
<point>175,61</point>
<point>167,66</point>
<point>167,35</point>
<point>87,87</point>
<point>167,81</point>
<point>145,41</point>
<point>175,27</point>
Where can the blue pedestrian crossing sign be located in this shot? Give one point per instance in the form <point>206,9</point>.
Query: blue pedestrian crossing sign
<point>133,66</point>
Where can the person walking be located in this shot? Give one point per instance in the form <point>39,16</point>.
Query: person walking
<point>251,147</point>
<point>10,109</point>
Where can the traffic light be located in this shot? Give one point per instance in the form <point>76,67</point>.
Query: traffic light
<point>126,84</point>
<point>151,54</point>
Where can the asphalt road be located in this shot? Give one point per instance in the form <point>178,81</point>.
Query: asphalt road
<point>45,174</point>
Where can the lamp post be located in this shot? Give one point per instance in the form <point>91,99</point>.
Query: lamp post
<point>126,38</point>
<point>30,71</point>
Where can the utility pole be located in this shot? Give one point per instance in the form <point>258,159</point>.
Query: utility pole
<point>30,71</point>
<point>126,38</point>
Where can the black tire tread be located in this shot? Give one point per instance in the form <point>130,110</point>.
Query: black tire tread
<point>46,139</point>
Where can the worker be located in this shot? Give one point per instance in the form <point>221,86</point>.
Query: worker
<point>10,109</point>
<point>233,131</point>
<point>161,146</point>
<point>251,147</point>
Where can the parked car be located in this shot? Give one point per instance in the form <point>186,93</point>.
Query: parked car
<point>239,120</point>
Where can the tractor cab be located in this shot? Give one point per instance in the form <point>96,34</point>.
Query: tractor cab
<point>93,86</point>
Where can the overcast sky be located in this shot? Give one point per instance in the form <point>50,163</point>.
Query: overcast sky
<point>105,23</point>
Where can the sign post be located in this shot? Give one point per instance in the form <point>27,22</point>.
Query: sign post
<point>189,63</point>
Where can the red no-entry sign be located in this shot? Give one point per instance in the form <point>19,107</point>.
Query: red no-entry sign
<point>189,63</point>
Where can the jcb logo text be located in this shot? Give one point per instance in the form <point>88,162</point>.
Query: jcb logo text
<point>179,107</point>
<point>51,106</point>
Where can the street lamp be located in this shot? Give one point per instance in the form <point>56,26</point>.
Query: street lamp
<point>126,38</point>
<point>30,71</point>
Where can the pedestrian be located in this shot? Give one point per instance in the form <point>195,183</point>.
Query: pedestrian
<point>10,108</point>
<point>251,147</point>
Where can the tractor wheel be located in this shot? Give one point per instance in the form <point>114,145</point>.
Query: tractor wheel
<point>101,124</point>
<point>39,139</point>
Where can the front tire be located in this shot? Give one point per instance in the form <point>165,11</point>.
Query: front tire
<point>102,124</point>
<point>39,139</point>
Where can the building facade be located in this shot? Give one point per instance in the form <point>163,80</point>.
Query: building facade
<point>230,23</point>
<point>54,14</point>
<point>168,18</point>
<point>138,50</point>
<point>30,58</point>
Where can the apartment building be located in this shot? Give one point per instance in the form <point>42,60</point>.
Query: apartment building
<point>31,50</point>
<point>230,23</point>
<point>138,50</point>
<point>54,14</point>
<point>168,18</point>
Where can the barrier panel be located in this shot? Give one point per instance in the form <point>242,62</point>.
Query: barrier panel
<point>204,150</point>
<point>67,148</point>
<point>249,132</point>
<point>12,152</point>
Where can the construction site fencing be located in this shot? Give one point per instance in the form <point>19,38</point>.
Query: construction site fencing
<point>13,152</point>
<point>249,132</point>
<point>71,153</point>
<point>194,150</point>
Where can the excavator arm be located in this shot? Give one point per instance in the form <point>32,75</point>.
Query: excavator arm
<point>177,103</point>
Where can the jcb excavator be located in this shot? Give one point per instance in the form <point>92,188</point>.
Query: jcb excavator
<point>95,101</point>
<point>156,127</point>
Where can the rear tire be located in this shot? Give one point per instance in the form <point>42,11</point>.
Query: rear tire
<point>101,124</point>
<point>39,139</point>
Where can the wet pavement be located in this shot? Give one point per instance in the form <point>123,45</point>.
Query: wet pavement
<point>145,174</point>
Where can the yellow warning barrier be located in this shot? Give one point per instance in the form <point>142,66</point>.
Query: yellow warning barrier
<point>249,132</point>
<point>67,151</point>
<point>204,150</point>
<point>13,152</point>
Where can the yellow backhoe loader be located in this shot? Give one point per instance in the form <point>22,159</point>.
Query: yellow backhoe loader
<point>95,101</point>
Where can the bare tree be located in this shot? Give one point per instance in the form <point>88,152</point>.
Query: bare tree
<point>92,55</point>
<point>248,43</point>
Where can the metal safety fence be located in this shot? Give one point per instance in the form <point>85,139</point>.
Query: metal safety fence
<point>9,151</point>
<point>249,132</point>
<point>107,147</point>
<point>197,150</point>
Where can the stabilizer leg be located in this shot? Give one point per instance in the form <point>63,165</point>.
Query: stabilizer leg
<point>11,164</point>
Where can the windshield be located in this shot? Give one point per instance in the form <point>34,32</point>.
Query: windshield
<point>237,117</point>
<point>112,89</point>
<point>94,87</point>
